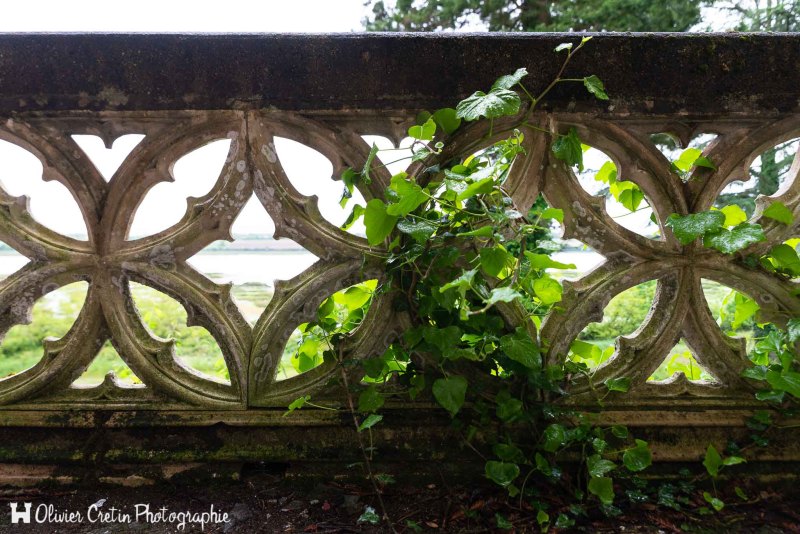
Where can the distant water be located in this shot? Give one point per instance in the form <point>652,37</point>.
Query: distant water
<point>266,267</point>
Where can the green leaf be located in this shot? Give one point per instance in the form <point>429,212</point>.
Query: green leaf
<point>444,339</point>
<point>717,504</point>
<point>607,173</point>
<point>690,227</point>
<point>730,241</point>
<point>508,453</point>
<point>521,348</point>
<point>368,163</point>
<point>497,103</point>
<point>377,222</point>
<point>638,458</point>
<point>692,157</point>
<point>423,132</point>
<point>369,516</point>
<point>744,309</point>
<point>502,294</point>
<point>447,120</point>
<point>733,460</point>
<point>712,461</point>
<point>788,381</point>
<point>409,195</point>
<point>463,282</point>
<point>621,384</point>
<point>481,187</point>
<point>734,215</point>
<point>619,431</point>
<point>450,393</point>
<point>370,421</point>
<point>353,297</point>
<point>595,86</point>
<point>628,194</point>
<point>563,46</point>
<point>355,215</point>
<point>602,488</point>
<point>599,466</point>
<point>555,436</point>
<point>567,148</point>
<point>543,261</point>
<point>297,404</point>
<point>547,290</point>
<point>495,259</point>
<point>510,80</point>
<point>553,213</point>
<point>370,400</point>
<point>419,230</point>
<point>793,329</point>
<point>483,231</point>
<point>779,212</point>
<point>786,258</point>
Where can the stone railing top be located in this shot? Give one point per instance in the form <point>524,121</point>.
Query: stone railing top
<point>691,74</point>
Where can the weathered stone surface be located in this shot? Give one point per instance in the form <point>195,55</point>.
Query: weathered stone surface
<point>645,73</point>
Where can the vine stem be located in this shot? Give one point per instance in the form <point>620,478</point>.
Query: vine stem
<point>367,460</point>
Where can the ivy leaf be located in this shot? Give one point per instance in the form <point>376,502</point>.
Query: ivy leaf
<point>779,212</point>
<point>481,187</point>
<point>409,195</point>
<point>793,329</point>
<point>730,241</point>
<point>373,151</point>
<point>712,461</point>
<point>786,258</point>
<point>788,381</point>
<point>692,157</point>
<point>547,290</point>
<point>733,460</point>
<point>744,309</point>
<point>638,458</point>
<point>621,384</point>
<point>521,348</point>
<point>553,213</point>
<point>510,80</point>
<point>501,473</point>
<point>463,282</point>
<point>446,118</point>
<point>450,393</point>
<point>595,86</point>
<point>370,400</point>
<point>502,294</point>
<point>567,148</point>
<point>423,132</point>
<point>543,261</point>
<point>607,173</point>
<point>355,215</point>
<point>297,404</point>
<point>734,215</point>
<point>370,421</point>
<point>689,227</point>
<point>483,231</point>
<point>599,466</point>
<point>377,222</point>
<point>554,436</point>
<point>498,102</point>
<point>628,194</point>
<point>494,260</point>
<point>602,488</point>
<point>419,230</point>
<point>717,504</point>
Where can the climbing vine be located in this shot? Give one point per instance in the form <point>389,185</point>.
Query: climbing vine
<point>464,262</point>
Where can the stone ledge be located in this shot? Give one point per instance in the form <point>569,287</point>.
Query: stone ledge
<point>644,73</point>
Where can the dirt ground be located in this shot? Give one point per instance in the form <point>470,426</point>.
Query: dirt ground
<point>263,501</point>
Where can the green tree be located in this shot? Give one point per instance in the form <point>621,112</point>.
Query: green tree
<point>536,15</point>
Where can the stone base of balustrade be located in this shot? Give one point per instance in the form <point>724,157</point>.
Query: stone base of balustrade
<point>145,447</point>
